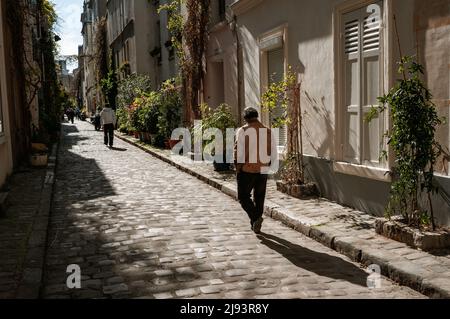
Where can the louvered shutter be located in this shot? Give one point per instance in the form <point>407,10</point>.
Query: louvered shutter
<point>351,85</point>
<point>371,85</point>
<point>362,72</point>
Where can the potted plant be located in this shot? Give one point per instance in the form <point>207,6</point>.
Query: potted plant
<point>219,118</point>
<point>122,120</point>
<point>285,95</point>
<point>413,142</point>
<point>169,116</point>
<point>39,155</point>
<point>133,113</point>
<point>150,114</point>
<point>39,147</point>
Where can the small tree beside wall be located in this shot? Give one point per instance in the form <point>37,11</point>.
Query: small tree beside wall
<point>413,142</point>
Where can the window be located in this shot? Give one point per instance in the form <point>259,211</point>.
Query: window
<point>222,9</point>
<point>362,78</point>
<point>272,46</point>
<point>275,69</point>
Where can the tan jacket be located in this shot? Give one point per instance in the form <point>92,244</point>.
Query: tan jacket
<point>249,139</point>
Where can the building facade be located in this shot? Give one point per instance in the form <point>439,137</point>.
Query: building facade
<point>78,73</point>
<point>345,53</point>
<point>21,78</point>
<point>132,36</point>
<point>66,78</point>
<point>93,12</point>
<point>163,53</point>
<point>221,84</point>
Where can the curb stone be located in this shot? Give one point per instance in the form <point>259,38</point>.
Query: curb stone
<point>403,272</point>
<point>33,269</point>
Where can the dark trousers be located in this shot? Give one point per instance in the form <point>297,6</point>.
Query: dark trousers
<point>108,129</point>
<point>248,183</point>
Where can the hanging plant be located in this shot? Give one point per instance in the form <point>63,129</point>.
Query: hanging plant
<point>413,142</point>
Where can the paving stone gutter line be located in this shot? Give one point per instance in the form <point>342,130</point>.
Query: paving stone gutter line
<point>33,267</point>
<point>404,272</point>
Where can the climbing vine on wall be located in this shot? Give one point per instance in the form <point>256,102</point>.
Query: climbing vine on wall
<point>190,39</point>
<point>35,49</point>
<point>412,139</point>
<point>53,98</point>
<point>101,58</point>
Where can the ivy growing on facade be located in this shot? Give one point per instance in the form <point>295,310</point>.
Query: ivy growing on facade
<point>190,39</point>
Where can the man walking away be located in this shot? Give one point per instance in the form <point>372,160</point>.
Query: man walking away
<point>249,166</point>
<point>71,114</point>
<point>108,118</point>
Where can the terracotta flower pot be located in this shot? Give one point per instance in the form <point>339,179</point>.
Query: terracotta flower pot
<point>39,160</point>
<point>147,138</point>
<point>173,143</point>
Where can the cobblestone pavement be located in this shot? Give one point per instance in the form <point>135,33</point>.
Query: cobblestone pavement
<point>346,230</point>
<point>16,227</point>
<point>140,228</point>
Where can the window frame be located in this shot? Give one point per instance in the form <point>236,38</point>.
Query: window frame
<point>339,70</point>
<point>222,10</point>
<point>280,31</point>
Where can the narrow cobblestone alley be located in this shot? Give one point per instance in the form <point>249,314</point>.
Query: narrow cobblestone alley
<point>138,227</point>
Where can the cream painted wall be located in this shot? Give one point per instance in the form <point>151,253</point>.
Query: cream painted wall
<point>144,39</point>
<point>310,52</point>
<point>424,28</point>
<point>310,42</point>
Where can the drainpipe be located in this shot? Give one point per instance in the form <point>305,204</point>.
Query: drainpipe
<point>234,29</point>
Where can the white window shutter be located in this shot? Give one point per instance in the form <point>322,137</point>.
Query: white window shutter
<point>362,79</point>
<point>351,85</point>
<point>372,78</point>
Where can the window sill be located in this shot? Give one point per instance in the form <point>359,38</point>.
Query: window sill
<point>281,153</point>
<point>374,173</point>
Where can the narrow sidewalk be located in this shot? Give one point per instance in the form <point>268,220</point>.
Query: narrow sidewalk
<point>23,231</point>
<point>343,229</point>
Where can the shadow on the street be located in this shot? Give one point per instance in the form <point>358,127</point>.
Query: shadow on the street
<point>319,263</point>
<point>70,128</point>
<point>118,149</point>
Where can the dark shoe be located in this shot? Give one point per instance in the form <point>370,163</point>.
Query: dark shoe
<point>257,225</point>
